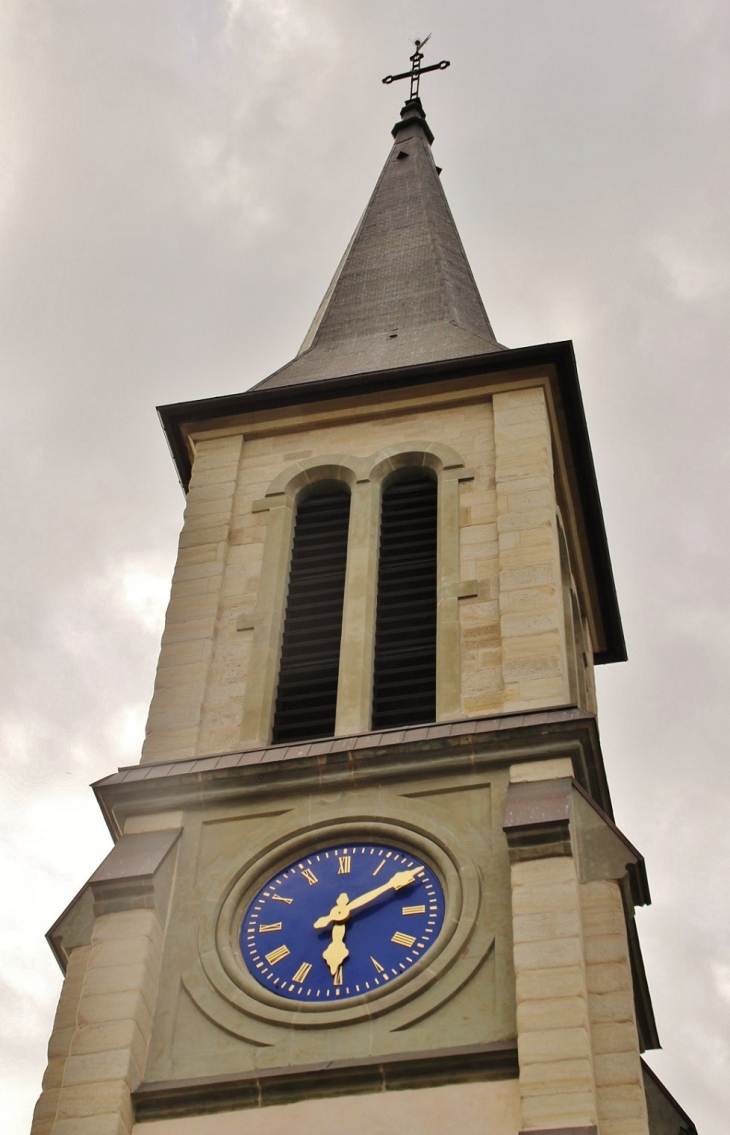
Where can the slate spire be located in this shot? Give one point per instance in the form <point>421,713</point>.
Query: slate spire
<point>403,293</point>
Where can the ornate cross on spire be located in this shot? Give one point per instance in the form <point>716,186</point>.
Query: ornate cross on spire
<point>416,69</point>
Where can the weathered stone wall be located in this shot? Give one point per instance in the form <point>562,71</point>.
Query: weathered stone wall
<point>538,953</point>
<point>619,1077</point>
<point>512,653</point>
<point>196,613</point>
<point>532,624</point>
<point>98,1047</point>
<point>580,1064</point>
<point>557,1075</point>
<point>211,1022</point>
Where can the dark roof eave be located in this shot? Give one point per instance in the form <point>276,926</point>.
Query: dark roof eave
<point>559,355</point>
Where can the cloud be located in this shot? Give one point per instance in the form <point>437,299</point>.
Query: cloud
<point>177,184</point>
<point>690,275</point>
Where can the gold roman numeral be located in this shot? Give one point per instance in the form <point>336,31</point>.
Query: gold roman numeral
<point>345,862</point>
<point>338,976</point>
<point>280,898</point>
<point>402,939</point>
<point>265,927</point>
<point>415,909</point>
<point>310,876</point>
<point>378,967</point>
<point>302,972</point>
<point>378,868</point>
<point>279,953</point>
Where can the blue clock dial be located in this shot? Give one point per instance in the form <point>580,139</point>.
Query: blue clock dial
<point>342,922</point>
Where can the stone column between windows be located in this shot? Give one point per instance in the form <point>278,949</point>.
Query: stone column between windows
<point>173,723</point>
<point>448,646</point>
<point>355,685</point>
<point>532,622</point>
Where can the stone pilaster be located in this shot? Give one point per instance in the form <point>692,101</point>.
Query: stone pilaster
<point>557,1082</point>
<point>176,710</point>
<point>99,1041</point>
<point>534,660</point>
<point>618,1070</point>
<point>578,1043</point>
<point>59,1046</point>
<point>98,1047</point>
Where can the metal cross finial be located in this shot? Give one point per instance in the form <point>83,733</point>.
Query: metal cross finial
<point>416,69</point>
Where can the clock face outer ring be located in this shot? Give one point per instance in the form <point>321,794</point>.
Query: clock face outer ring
<point>219,929</point>
<point>286,952</point>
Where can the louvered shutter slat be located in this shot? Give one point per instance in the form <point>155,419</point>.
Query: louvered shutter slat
<point>306,701</point>
<point>404,683</point>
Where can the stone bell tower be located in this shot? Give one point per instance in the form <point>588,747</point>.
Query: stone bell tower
<point>366,876</point>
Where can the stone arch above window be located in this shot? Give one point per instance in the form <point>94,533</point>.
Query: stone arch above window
<point>291,481</point>
<point>431,455</point>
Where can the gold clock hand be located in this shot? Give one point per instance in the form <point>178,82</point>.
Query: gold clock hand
<point>337,951</point>
<point>400,879</point>
<point>341,912</point>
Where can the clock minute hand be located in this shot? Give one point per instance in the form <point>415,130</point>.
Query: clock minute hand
<point>342,911</point>
<point>399,880</point>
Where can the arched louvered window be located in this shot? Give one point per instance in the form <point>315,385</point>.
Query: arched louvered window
<point>404,681</point>
<point>306,700</point>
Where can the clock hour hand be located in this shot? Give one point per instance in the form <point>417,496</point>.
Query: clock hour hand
<point>337,951</point>
<point>342,910</point>
<point>340,913</point>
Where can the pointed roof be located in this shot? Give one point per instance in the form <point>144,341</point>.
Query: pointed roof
<point>404,293</point>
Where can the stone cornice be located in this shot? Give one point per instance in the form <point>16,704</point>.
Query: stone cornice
<point>450,747</point>
<point>264,1088</point>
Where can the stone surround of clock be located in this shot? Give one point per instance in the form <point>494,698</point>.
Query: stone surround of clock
<point>439,823</point>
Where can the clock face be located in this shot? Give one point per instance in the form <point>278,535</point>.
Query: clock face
<point>342,922</point>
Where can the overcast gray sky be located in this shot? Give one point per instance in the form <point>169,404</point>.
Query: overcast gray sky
<point>178,179</point>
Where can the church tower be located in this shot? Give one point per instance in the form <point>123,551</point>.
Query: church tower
<point>366,876</point>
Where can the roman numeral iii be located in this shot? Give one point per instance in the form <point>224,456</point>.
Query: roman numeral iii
<point>402,939</point>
